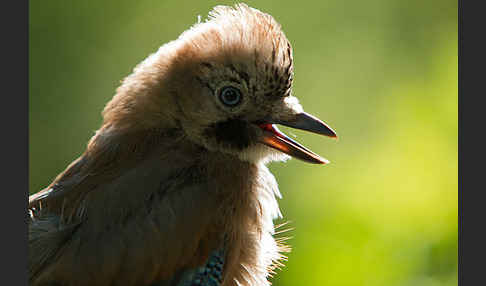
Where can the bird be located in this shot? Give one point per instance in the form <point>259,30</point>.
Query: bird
<point>174,188</point>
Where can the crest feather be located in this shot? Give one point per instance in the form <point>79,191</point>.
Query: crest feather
<point>239,30</point>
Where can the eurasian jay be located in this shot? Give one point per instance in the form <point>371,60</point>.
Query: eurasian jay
<point>173,188</point>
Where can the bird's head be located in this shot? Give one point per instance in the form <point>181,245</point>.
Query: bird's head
<point>225,82</point>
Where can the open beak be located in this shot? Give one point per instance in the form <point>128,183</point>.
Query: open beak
<point>272,137</point>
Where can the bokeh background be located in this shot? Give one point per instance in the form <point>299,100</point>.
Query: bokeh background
<point>382,73</point>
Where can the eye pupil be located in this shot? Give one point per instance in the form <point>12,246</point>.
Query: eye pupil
<point>230,96</point>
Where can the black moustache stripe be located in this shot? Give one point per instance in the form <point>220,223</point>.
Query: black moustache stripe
<point>234,133</point>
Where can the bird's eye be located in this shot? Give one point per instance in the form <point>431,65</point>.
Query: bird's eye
<point>230,96</point>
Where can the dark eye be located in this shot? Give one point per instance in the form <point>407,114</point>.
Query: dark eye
<point>230,96</point>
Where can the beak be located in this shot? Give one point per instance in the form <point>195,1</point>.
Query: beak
<point>272,137</point>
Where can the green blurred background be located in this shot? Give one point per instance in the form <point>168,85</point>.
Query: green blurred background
<point>382,73</point>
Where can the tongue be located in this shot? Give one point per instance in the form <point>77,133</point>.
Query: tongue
<point>272,137</point>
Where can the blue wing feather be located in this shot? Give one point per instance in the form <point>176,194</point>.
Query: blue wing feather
<point>210,274</point>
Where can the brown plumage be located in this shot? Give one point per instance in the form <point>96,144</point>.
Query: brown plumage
<point>177,169</point>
